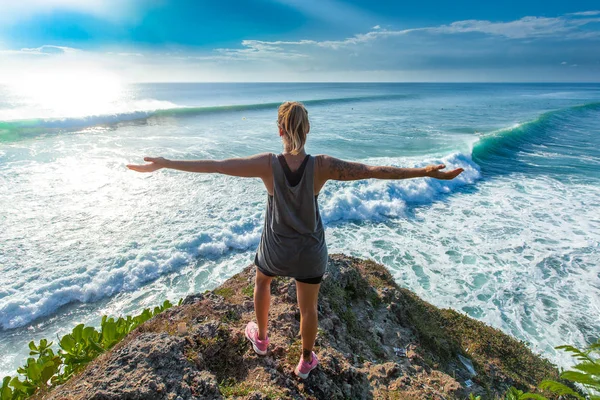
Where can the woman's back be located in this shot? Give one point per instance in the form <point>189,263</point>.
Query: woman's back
<point>294,207</point>
<point>293,239</point>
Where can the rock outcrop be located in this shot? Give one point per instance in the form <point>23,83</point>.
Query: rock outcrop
<point>375,341</point>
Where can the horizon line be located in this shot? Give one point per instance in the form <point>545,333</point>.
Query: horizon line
<point>377,82</point>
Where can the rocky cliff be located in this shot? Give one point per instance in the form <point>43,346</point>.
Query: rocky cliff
<point>375,341</point>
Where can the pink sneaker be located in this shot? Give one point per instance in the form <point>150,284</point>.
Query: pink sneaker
<point>259,346</point>
<point>304,368</point>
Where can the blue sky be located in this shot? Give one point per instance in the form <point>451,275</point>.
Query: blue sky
<point>310,40</point>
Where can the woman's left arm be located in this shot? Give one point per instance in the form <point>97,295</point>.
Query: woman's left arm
<point>256,166</point>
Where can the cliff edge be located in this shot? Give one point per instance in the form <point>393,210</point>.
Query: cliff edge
<point>375,341</point>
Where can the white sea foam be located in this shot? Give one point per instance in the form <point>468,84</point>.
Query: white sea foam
<point>132,269</point>
<point>374,200</point>
<point>19,309</point>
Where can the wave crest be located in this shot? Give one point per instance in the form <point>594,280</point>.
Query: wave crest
<point>142,110</point>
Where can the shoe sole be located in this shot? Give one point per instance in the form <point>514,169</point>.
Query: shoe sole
<point>256,349</point>
<point>301,375</point>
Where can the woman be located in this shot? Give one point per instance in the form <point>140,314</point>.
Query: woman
<point>293,241</point>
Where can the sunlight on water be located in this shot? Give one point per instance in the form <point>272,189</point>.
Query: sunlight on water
<point>66,93</point>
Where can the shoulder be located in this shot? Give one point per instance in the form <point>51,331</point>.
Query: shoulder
<point>326,163</point>
<point>323,164</point>
<point>261,156</point>
<point>262,159</point>
<point>323,159</point>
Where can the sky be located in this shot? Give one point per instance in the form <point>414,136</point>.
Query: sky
<point>309,40</point>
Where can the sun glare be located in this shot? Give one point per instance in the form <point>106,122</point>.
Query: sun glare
<point>70,93</point>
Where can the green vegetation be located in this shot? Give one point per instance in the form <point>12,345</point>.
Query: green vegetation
<point>341,299</point>
<point>248,290</point>
<point>585,373</point>
<point>224,292</point>
<point>230,316</point>
<point>443,333</point>
<point>515,394</point>
<point>294,352</point>
<point>231,388</point>
<point>45,368</point>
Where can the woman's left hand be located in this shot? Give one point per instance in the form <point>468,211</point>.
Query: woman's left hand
<point>154,164</point>
<point>435,171</point>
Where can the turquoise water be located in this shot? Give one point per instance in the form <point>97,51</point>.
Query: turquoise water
<point>514,241</point>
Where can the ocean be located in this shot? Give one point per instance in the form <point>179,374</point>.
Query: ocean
<point>514,241</point>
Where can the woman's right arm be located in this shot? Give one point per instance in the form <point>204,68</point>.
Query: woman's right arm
<point>257,166</point>
<point>331,168</point>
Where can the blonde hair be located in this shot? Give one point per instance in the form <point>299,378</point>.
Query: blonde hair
<point>292,119</point>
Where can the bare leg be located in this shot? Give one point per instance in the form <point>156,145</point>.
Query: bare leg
<point>308,294</point>
<point>262,301</point>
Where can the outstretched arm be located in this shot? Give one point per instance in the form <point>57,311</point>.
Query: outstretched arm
<point>256,166</point>
<point>340,170</point>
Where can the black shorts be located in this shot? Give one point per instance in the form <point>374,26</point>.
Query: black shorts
<point>313,281</point>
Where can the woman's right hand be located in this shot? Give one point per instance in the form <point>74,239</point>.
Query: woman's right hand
<point>155,163</point>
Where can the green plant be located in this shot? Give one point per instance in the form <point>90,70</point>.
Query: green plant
<point>229,388</point>
<point>516,394</point>
<point>224,292</point>
<point>248,290</point>
<point>37,372</point>
<point>230,316</point>
<point>76,349</point>
<point>586,373</point>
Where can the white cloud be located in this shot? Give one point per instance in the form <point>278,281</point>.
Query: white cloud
<point>284,48</point>
<point>530,43</point>
<point>443,45</point>
<point>45,50</point>
<point>526,27</point>
<point>256,50</point>
<point>586,13</point>
<point>123,54</point>
<point>562,28</point>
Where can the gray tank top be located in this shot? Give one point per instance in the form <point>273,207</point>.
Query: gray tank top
<point>293,239</point>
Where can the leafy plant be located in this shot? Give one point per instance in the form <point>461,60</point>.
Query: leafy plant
<point>586,373</point>
<point>516,394</point>
<point>76,349</point>
<point>37,372</point>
